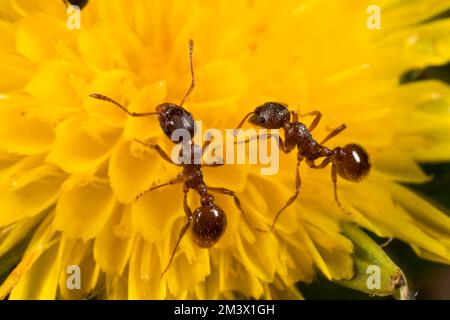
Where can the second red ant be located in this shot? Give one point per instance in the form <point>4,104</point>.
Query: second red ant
<point>350,162</point>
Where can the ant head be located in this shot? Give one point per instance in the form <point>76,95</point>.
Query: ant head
<point>210,223</point>
<point>352,162</point>
<point>173,117</point>
<point>270,115</point>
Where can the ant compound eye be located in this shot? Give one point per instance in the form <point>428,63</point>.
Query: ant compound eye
<point>209,225</point>
<point>354,164</point>
<point>259,119</point>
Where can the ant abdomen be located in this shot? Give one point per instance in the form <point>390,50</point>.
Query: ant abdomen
<point>210,223</point>
<point>352,162</point>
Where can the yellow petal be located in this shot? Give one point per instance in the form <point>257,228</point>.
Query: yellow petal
<point>155,213</point>
<point>112,247</point>
<point>227,83</point>
<point>299,262</point>
<point>16,70</point>
<point>279,195</point>
<point>236,176</point>
<point>116,84</point>
<point>209,289</point>
<point>14,234</point>
<point>38,46</point>
<point>83,208</point>
<point>145,100</point>
<point>7,160</point>
<point>416,47</point>
<point>376,201</point>
<point>58,76</point>
<point>281,293</point>
<point>41,281</point>
<point>42,240</point>
<point>425,254</point>
<point>78,253</point>
<point>117,287</point>
<point>15,9</point>
<point>21,133</point>
<point>79,148</point>
<point>261,260</point>
<point>134,168</point>
<point>145,273</point>
<point>87,41</point>
<point>399,13</point>
<point>427,217</point>
<point>403,169</point>
<point>233,276</point>
<point>29,189</point>
<point>336,251</point>
<point>314,253</point>
<point>190,257</point>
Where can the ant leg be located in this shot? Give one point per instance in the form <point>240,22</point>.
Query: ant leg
<point>334,178</point>
<point>322,165</point>
<point>133,114</point>
<point>247,140</point>
<point>171,182</point>
<point>334,133</point>
<point>237,202</point>
<point>294,116</point>
<point>317,116</point>
<point>191,65</point>
<point>183,230</point>
<point>158,149</point>
<point>213,165</point>
<point>266,136</point>
<point>298,183</point>
<point>242,122</point>
<point>206,144</point>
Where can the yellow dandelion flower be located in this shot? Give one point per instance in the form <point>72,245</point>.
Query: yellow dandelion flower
<point>70,172</point>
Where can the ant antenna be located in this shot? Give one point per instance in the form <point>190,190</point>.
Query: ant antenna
<point>174,250</point>
<point>191,64</point>
<point>133,114</point>
<point>242,123</point>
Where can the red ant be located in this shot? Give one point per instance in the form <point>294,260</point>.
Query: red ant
<point>350,162</point>
<point>209,220</point>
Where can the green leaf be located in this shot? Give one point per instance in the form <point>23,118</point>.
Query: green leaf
<point>375,273</point>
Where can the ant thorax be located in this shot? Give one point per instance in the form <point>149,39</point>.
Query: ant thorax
<point>190,155</point>
<point>298,135</point>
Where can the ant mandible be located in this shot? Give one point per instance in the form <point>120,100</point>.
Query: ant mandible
<point>350,162</point>
<point>209,220</point>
